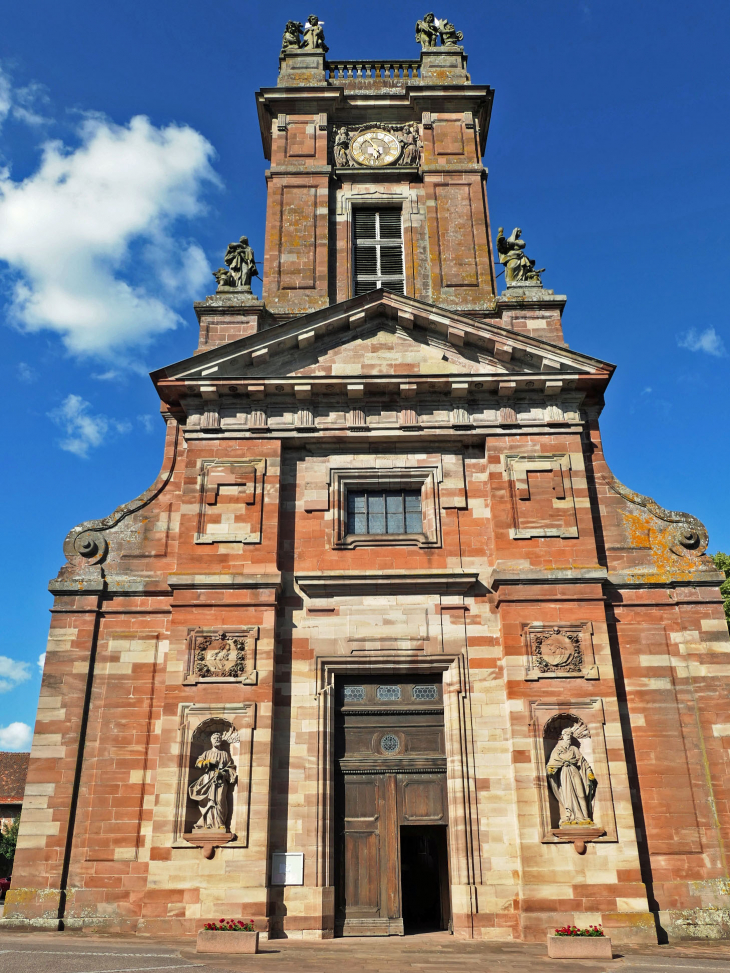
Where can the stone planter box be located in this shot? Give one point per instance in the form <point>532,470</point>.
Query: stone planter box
<point>579,947</point>
<point>218,941</point>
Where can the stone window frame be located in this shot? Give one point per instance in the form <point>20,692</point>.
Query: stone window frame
<point>584,630</point>
<point>591,713</point>
<point>205,488</point>
<point>250,676</point>
<point>422,478</point>
<point>242,716</point>
<point>517,466</point>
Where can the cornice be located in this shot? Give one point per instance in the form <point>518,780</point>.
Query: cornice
<point>326,584</point>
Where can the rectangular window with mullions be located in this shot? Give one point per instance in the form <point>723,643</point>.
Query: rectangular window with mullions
<point>384,512</point>
<point>378,236</point>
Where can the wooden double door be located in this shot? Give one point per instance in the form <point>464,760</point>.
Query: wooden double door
<point>391,812</point>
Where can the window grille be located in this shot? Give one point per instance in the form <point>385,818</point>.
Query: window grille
<point>378,250</point>
<point>384,512</point>
<point>388,692</point>
<point>425,692</point>
<point>354,694</point>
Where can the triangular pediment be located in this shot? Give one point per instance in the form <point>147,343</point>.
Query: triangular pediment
<point>381,334</point>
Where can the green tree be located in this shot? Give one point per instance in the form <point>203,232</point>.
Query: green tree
<point>722,563</point>
<point>8,841</point>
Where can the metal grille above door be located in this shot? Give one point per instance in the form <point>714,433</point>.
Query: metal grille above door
<point>378,250</point>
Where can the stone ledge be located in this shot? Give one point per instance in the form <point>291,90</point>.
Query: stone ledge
<point>176,581</point>
<point>324,584</point>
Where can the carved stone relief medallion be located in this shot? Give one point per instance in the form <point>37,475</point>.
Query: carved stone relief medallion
<point>375,148</point>
<point>559,651</point>
<point>222,655</point>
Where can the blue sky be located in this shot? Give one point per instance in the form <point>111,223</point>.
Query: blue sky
<point>131,158</point>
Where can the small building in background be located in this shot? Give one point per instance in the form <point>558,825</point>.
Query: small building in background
<point>13,771</point>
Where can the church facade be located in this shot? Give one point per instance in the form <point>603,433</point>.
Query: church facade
<point>386,646</point>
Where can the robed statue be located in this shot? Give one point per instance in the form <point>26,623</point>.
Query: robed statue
<point>314,35</point>
<point>292,39</point>
<point>240,260</point>
<point>210,790</point>
<point>411,145</point>
<point>342,143</point>
<point>572,781</point>
<point>518,268</point>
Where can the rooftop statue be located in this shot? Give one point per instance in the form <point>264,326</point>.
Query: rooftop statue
<point>450,36</point>
<point>518,268</point>
<point>240,260</point>
<point>429,30</point>
<point>314,35</point>
<point>292,39</point>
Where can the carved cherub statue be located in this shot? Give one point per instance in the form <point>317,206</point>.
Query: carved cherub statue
<point>450,36</point>
<point>224,277</point>
<point>314,35</point>
<point>292,39</point>
<point>518,268</point>
<point>427,31</point>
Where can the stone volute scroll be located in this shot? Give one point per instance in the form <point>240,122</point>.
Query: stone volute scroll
<point>518,268</point>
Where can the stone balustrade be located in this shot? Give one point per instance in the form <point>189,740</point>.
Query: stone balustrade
<point>409,70</point>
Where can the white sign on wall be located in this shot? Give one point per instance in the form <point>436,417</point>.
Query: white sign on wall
<point>287,868</point>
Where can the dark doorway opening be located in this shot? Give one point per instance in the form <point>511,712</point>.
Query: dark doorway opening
<point>424,878</point>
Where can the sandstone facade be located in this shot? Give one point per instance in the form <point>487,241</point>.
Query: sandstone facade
<point>233,595</point>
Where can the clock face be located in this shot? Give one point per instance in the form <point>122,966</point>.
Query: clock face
<point>375,148</point>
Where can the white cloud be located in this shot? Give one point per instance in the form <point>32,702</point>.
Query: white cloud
<point>16,736</point>
<point>41,661</point>
<point>90,235</point>
<point>22,104</point>
<point>25,372</point>
<point>84,431</point>
<point>708,341</point>
<point>147,422</point>
<point>12,673</point>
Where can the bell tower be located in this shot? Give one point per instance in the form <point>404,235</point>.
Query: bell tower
<point>376,179</point>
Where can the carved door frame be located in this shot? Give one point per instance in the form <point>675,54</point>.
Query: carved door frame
<point>463,833</point>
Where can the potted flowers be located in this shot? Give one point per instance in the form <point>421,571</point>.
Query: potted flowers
<point>570,942</point>
<point>228,936</point>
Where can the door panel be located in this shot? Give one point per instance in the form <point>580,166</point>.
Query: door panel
<point>362,872</point>
<point>391,762</point>
<point>423,799</point>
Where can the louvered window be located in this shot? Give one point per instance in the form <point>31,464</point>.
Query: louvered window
<point>378,250</point>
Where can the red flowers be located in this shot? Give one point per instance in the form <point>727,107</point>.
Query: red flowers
<point>575,931</point>
<point>231,925</point>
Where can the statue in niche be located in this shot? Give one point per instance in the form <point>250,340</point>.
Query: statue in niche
<point>518,266</point>
<point>450,36</point>
<point>342,144</point>
<point>572,781</point>
<point>314,35</point>
<point>411,145</point>
<point>427,32</point>
<point>292,39</point>
<point>240,260</point>
<point>210,790</point>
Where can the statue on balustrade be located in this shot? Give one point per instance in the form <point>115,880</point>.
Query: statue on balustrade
<point>427,32</point>
<point>572,781</point>
<point>210,790</point>
<point>292,39</point>
<point>240,260</point>
<point>314,35</point>
<point>450,36</point>
<point>518,266</point>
